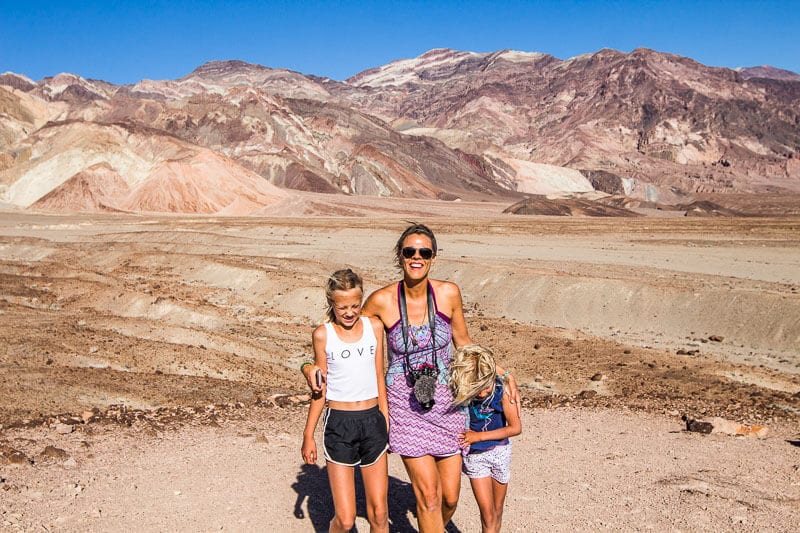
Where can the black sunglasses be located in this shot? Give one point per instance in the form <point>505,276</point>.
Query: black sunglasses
<point>408,252</point>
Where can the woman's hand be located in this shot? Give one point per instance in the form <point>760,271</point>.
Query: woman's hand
<point>310,373</point>
<point>513,392</point>
<point>309,450</point>
<point>468,438</point>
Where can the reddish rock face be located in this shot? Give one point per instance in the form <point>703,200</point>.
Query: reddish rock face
<point>447,125</point>
<point>657,119</point>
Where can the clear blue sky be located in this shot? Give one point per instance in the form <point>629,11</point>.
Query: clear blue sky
<point>126,41</point>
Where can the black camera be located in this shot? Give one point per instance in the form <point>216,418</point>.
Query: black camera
<point>423,380</point>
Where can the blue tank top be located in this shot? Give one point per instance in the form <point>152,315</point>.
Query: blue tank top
<point>486,414</point>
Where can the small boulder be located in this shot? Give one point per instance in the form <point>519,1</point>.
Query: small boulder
<point>63,429</point>
<point>698,426</point>
<point>54,453</point>
<point>11,456</point>
<point>731,427</point>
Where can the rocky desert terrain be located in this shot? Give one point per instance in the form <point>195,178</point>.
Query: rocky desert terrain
<point>149,365</point>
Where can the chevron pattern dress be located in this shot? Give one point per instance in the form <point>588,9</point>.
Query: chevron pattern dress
<point>414,432</point>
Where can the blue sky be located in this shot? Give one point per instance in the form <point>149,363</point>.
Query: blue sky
<point>124,42</point>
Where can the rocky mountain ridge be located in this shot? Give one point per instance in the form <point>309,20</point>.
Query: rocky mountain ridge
<point>445,125</point>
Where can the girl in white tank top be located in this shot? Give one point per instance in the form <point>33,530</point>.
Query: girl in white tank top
<point>348,349</point>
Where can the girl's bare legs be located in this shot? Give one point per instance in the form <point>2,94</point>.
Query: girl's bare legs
<point>499,490</point>
<point>343,489</point>
<point>490,495</point>
<point>437,483</point>
<point>376,487</point>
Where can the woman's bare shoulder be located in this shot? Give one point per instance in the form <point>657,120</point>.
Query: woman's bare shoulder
<point>445,289</point>
<point>380,298</point>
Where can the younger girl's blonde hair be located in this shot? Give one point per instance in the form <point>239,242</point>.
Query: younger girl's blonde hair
<point>473,369</point>
<point>341,280</point>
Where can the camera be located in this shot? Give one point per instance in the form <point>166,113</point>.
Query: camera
<point>423,380</point>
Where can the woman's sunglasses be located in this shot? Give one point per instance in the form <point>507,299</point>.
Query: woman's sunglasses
<point>408,252</point>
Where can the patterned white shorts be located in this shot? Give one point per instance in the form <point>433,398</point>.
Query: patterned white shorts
<point>495,462</point>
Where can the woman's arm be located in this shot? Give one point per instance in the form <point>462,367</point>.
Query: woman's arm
<point>511,389</point>
<point>461,336</point>
<point>309,371</point>
<point>309,448</point>
<point>453,301</point>
<point>383,404</point>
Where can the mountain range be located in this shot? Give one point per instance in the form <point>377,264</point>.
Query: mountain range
<point>238,138</point>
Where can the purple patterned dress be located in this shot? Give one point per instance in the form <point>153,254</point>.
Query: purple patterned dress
<point>412,431</point>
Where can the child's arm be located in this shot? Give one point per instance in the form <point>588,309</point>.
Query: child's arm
<point>513,426</point>
<point>383,404</point>
<point>309,449</point>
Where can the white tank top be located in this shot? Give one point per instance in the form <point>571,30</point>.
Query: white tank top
<point>351,366</point>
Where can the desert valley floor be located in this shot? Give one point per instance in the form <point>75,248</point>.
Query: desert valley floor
<point>148,366</point>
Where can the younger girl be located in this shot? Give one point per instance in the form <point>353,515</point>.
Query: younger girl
<point>492,420</point>
<point>348,349</point>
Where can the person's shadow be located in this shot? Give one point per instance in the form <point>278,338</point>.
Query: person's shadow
<point>313,488</point>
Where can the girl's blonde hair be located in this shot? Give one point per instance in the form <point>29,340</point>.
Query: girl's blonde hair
<point>473,369</point>
<point>341,280</point>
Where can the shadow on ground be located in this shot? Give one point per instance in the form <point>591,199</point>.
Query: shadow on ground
<point>312,489</point>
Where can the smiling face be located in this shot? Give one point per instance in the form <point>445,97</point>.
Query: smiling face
<point>346,306</point>
<point>416,267</point>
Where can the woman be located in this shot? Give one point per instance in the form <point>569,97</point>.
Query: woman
<point>423,318</point>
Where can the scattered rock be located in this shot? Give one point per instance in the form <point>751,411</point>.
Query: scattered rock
<point>597,377</point>
<point>63,429</point>
<point>262,439</point>
<point>586,394</point>
<point>716,338</point>
<point>722,425</point>
<point>54,453</point>
<point>88,416</point>
<point>11,456</point>
<point>730,427</point>
<point>697,426</point>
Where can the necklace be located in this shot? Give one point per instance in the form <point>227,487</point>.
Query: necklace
<point>406,327</point>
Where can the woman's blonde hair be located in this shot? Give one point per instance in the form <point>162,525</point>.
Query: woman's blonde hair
<point>473,369</point>
<point>341,280</point>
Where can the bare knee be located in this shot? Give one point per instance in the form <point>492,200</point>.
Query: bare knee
<point>490,522</point>
<point>491,519</point>
<point>378,517</point>
<point>343,523</point>
<point>449,504</point>
<point>430,500</point>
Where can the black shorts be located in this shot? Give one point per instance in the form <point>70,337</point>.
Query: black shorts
<point>355,437</point>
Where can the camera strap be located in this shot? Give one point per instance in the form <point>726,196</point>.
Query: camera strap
<point>405,325</point>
